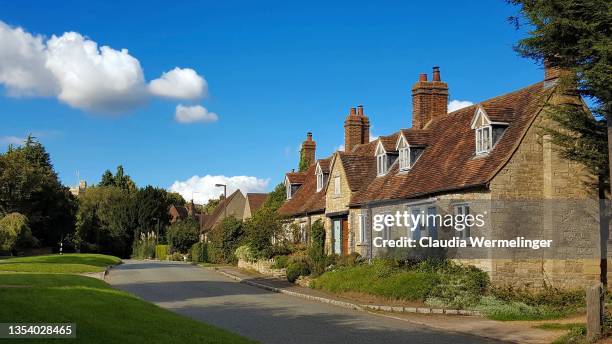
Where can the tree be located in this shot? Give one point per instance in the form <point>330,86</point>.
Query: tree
<point>120,179</point>
<point>175,198</point>
<point>152,209</point>
<point>210,206</point>
<point>30,186</point>
<point>575,36</point>
<point>276,198</point>
<point>259,230</point>
<point>15,233</point>
<point>183,234</point>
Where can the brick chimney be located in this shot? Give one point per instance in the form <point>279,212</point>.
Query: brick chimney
<point>429,99</point>
<point>356,129</point>
<point>309,148</point>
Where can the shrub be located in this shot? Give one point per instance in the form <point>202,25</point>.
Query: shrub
<point>15,233</point>
<point>260,229</point>
<point>497,309</point>
<point>144,247</point>
<point>161,252</point>
<point>297,269</point>
<point>245,253</point>
<point>460,286</point>
<point>183,234</point>
<point>547,296</point>
<point>199,252</point>
<point>349,260</point>
<point>316,251</point>
<point>177,256</point>
<point>225,238</point>
<point>280,262</point>
<point>379,278</point>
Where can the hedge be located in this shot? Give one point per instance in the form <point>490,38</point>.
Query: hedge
<point>161,252</point>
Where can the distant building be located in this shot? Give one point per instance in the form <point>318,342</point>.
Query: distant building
<point>253,202</point>
<point>79,189</point>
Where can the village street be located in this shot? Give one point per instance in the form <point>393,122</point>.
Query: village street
<point>265,316</point>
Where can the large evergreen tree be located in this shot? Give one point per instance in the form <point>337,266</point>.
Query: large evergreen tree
<point>30,186</point>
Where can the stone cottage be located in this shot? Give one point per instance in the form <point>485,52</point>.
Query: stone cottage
<point>489,160</point>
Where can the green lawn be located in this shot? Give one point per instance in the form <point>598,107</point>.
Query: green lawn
<point>102,314</point>
<point>67,263</point>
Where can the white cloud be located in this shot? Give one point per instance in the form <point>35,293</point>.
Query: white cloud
<point>203,188</point>
<point>191,114</point>
<point>94,79</point>
<point>22,63</point>
<point>179,83</point>
<point>83,75</point>
<point>458,104</point>
<point>11,140</point>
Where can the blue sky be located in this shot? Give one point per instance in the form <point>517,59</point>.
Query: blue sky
<point>274,71</point>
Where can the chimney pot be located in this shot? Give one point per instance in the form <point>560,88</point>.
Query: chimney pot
<point>360,110</point>
<point>436,73</point>
<point>309,136</point>
<point>353,111</point>
<point>423,77</point>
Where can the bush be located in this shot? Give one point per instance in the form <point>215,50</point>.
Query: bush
<point>161,252</point>
<point>183,234</point>
<point>245,253</point>
<point>144,247</point>
<point>15,234</point>
<point>260,229</point>
<point>460,286</point>
<point>280,262</point>
<point>199,252</point>
<point>225,238</point>
<point>177,257</point>
<point>349,260</point>
<point>297,269</point>
<point>379,278</point>
<point>497,309</point>
<point>316,251</point>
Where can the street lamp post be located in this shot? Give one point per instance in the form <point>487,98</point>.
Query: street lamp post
<point>224,199</point>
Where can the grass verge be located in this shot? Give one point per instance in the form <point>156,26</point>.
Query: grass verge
<point>67,263</point>
<point>102,314</point>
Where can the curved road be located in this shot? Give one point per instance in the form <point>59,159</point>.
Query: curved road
<point>268,317</point>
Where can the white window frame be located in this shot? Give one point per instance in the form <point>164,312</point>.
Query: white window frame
<point>362,230</point>
<point>337,186</point>
<point>462,209</point>
<point>381,160</point>
<point>288,187</point>
<point>404,159</point>
<point>484,141</point>
<point>320,178</point>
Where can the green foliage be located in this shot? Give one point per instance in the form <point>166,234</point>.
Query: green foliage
<point>297,269</point>
<point>183,234</point>
<point>106,221</point>
<point>260,229</point>
<point>199,252</point>
<point>379,278</point>
<point>120,180</point>
<point>224,240</point>
<point>210,206</point>
<point>304,163</point>
<point>280,262</point>
<point>316,251</point>
<point>151,209</point>
<point>175,198</point>
<point>177,257</point>
<point>576,36</point>
<point>245,253</point>
<point>276,198</point>
<point>496,309</point>
<point>349,260</point>
<point>30,186</point>
<point>460,286</point>
<point>144,246</point>
<point>15,233</point>
<point>161,252</point>
<point>568,300</point>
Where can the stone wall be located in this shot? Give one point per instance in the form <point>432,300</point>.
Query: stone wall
<point>264,267</point>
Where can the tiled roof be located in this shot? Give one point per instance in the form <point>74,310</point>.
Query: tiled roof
<point>389,142</point>
<point>448,162</point>
<point>359,169</point>
<point>296,177</point>
<point>306,199</point>
<point>324,163</point>
<point>256,200</point>
<point>210,220</point>
<point>416,137</point>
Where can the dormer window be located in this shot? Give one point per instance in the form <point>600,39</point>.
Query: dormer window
<point>320,177</point>
<point>381,160</point>
<point>288,188</point>
<point>408,154</point>
<point>486,132</point>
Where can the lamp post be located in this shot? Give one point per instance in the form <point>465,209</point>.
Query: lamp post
<point>224,199</point>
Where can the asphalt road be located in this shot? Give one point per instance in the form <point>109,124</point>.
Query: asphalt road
<point>267,317</point>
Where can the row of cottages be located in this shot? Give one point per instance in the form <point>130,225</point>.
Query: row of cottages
<point>489,158</point>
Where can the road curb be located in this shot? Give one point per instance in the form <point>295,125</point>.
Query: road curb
<point>350,305</point>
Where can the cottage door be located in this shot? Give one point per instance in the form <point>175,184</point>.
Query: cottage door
<point>337,236</point>
<point>345,235</point>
